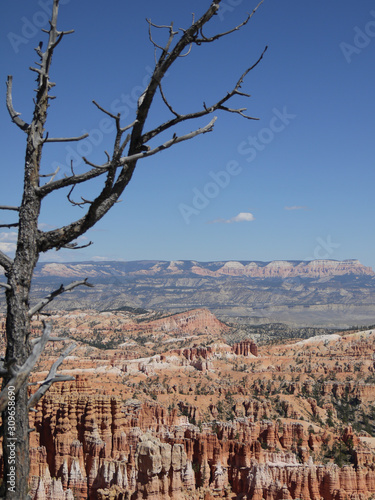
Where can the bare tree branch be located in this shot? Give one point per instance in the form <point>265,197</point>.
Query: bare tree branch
<point>52,377</point>
<point>5,207</point>
<point>60,35</point>
<point>69,181</point>
<point>170,39</point>
<point>13,114</point>
<point>75,204</point>
<point>150,36</point>
<point>75,246</point>
<point>188,52</point>
<point>66,139</point>
<point>94,165</point>
<point>53,175</point>
<point>5,285</point>
<point>164,62</point>
<point>160,26</point>
<point>51,339</point>
<point>55,294</point>
<point>175,140</point>
<point>115,117</point>
<point>167,103</point>
<point>61,237</point>
<point>171,142</point>
<point>239,111</point>
<point>137,147</point>
<point>204,39</point>
<point>21,374</point>
<point>14,224</point>
<point>5,261</point>
<point>207,110</point>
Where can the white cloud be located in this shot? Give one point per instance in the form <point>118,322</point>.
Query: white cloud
<point>11,236</point>
<point>8,242</point>
<point>297,207</point>
<point>241,217</point>
<point>7,247</point>
<point>43,226</point>
<point>60,256</point>
<point>99,258</point>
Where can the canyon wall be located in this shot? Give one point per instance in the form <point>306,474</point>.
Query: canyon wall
<point>89,446</point>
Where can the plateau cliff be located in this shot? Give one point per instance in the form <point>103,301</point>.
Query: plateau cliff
<point>279,268</point>
<point>317,293</point>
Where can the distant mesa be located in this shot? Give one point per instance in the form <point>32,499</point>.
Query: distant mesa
<point>253,269</point>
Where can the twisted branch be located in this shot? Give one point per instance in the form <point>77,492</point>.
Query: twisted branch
<point>52,377</point>
<point>15,116</point>
<point>5,261</point>
<point>55,294</point>
<point>20,374</point>
<point>217,106</point>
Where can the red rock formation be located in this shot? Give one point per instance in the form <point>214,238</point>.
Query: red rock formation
<point>245,348</point>
<point>353,389</point>
<point>93,444</point>
<point>196,320</point>
<point>96,447</point>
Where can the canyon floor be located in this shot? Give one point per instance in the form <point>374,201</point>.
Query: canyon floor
<point>185,406</point>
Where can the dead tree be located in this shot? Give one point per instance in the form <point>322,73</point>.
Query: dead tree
<point>130,145</point>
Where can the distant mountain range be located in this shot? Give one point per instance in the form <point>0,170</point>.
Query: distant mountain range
<point>321,293</point>
<point>191,268</point>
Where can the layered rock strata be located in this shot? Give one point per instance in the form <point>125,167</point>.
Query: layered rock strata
<point>97,447</point>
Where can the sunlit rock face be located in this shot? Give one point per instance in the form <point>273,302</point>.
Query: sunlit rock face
<point>97,447</point>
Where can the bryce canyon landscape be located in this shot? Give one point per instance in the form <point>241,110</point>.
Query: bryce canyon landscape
<point>170,405</point>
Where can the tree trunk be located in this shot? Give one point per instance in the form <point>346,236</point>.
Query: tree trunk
<point>16,447</point>
<point>16,417</point>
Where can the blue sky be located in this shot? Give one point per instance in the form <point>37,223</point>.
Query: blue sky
<point>295,185</point>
